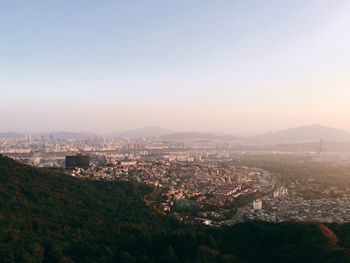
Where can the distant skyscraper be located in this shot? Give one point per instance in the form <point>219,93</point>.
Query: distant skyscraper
<point>28,138</point>
<point>320,147</point>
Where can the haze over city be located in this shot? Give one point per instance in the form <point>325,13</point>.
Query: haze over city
<point>237,67</point>
<point>184,131</point>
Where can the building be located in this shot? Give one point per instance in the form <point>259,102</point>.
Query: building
<point>128,163</point>
<point>257,204</point>
<point>79,160</point>
<point>282,191</point>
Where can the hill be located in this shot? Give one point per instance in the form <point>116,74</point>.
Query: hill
<point>312,133</point>
<point>141,133</point>
<point>196,136</point>
<point>46,216</point>
<point>11,135</point>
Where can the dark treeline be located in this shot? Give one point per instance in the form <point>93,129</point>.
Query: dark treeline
<point>46,216</point>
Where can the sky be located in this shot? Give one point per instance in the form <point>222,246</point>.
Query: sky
<point>228,66</point>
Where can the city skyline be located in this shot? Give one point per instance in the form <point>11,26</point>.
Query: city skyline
<point>317,131</point>
<point>228,67</point>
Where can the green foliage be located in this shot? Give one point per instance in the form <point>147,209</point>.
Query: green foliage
<point>46,216</point>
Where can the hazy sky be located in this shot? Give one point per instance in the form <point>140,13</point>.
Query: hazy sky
<point>239,67</point>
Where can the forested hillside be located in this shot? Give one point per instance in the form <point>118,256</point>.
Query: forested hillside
<point>46,216</point>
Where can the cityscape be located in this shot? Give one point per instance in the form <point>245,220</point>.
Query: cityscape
<point>182,131</point>
<point>199,180</point>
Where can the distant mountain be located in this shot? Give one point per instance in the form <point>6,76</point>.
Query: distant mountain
<point>311,133</point>
<point>196,135</point>
<point>11,135</point>
<point>142,132</point>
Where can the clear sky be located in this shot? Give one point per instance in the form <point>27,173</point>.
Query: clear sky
<point>240,67</point>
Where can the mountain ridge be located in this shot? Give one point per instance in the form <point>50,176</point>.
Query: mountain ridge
<point>150,131</point>
<point>197,135</point>
<point>307,133</point>
<point>300,134</point>
<point>11,135</point>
